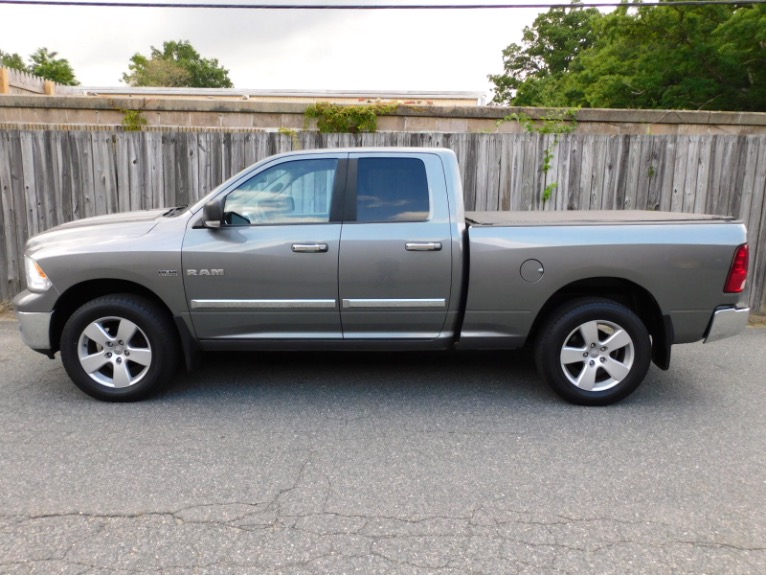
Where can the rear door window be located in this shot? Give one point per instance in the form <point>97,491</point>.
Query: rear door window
<point>392,190</point>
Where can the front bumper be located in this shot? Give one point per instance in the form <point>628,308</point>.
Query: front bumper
<point>727,322</point>
<point>35,314</point>
<point>35,330</point>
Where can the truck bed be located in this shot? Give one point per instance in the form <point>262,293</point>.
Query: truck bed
<point>584,217</point>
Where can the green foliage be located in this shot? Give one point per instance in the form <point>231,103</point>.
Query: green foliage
<point>42,63</point>
<point>132,120</point>
<point>337,118</point>
<point>548,191</point>
<point>178,64</point>
<point>45,64</point>
<point>557,123</point>
<point>550,49</point>
<point>13,61</point>
<point>651,57</point>
<point>561,121</point>
<point>294,139</point>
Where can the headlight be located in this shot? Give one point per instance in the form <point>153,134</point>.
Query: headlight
<point>36,278</point>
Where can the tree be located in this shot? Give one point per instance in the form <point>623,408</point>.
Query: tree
<point>13,61</point>
<point>742,47</point>
<point>177,64</point>
<point>695,57</point>
<point>551,47</point>
<point>42,63</point>
<point>659,58</point>
<point>45,64</point>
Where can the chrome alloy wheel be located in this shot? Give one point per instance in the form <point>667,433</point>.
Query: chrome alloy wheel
<point>114,352</point>
<point>597,355</point>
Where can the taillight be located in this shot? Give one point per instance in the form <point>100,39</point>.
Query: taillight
<point>735,283</point>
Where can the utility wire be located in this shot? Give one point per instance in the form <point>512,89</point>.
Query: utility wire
<point>304,6</point>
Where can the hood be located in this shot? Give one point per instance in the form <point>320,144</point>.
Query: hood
<point>98,229</point>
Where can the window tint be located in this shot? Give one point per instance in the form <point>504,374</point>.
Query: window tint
<point>391,190</point>
<point>292,192</point>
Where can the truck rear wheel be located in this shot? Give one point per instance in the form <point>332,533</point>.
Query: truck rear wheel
<point>593,351</point>
<point>119,347</point>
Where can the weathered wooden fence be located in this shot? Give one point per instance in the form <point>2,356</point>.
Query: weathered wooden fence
<point>51,177</point>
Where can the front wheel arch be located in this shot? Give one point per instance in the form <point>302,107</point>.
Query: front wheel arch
<point>81,293</point>
<point>119,347</point>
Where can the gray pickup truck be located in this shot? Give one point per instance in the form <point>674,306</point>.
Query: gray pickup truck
<point>371,249</point>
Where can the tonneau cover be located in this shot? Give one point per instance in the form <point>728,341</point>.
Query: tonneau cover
<point>585,217</point>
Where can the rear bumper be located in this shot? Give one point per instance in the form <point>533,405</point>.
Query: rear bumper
<point>727,322</point>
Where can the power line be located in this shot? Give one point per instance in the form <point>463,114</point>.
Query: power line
<point>305,6</point>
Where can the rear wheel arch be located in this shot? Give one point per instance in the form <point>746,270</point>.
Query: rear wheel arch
<point>625,292</point>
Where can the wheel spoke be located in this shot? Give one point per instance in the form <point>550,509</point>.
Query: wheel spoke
<point>589,332</point>
<point>572,355</point>
<point>141,356</point>
<point>617,370</point>
<point>92,363</point>
<point>126,330</point>
<point>587,378</point>
<point>617,340</point>
<point>122,377</point>
<point>96,333</point>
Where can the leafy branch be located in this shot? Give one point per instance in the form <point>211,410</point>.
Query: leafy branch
<point>336,118</point>
<point>557,123</point>
<point>133,120</point>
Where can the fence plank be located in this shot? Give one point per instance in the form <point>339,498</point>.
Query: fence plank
<point>575,169</point>
<point>563,153</point>
<point>757,229</point>
<point>156,196</point>
<point>122,161</point>
<point>11,236</point>
<point>17,205</point>
<point>666,173</point>
<point>169,169</point>
<point>598,169</point>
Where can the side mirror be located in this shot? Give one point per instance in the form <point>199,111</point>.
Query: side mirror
<point>212,214</point>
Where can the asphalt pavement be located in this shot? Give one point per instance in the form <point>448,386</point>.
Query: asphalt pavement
<point>392,463</point>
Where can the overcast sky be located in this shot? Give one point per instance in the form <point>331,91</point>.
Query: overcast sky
<point>428,50</point>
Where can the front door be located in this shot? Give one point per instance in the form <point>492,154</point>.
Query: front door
<point>271,270</point>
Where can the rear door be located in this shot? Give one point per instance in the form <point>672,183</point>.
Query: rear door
<point>395,263</point>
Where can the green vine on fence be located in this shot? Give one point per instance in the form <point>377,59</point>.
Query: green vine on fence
<point>295,139</point>
<point>345,119</point>
<point>557,123</point>
<point>132,120</point>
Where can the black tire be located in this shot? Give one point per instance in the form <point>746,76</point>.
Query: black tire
<point>119,347</point>
<point>593,351</point>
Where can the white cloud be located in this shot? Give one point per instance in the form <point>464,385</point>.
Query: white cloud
<point>427,50</point>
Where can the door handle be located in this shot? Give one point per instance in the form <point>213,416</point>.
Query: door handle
<point>423,246</point>
<point>309,248</point>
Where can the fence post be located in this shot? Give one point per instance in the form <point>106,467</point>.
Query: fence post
<point>5,81</point>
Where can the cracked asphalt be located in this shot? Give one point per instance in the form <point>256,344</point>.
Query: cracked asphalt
<point>440,464</point>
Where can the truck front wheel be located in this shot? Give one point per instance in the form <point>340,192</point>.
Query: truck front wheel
<point>593,351</point>
<point>119,347</point>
